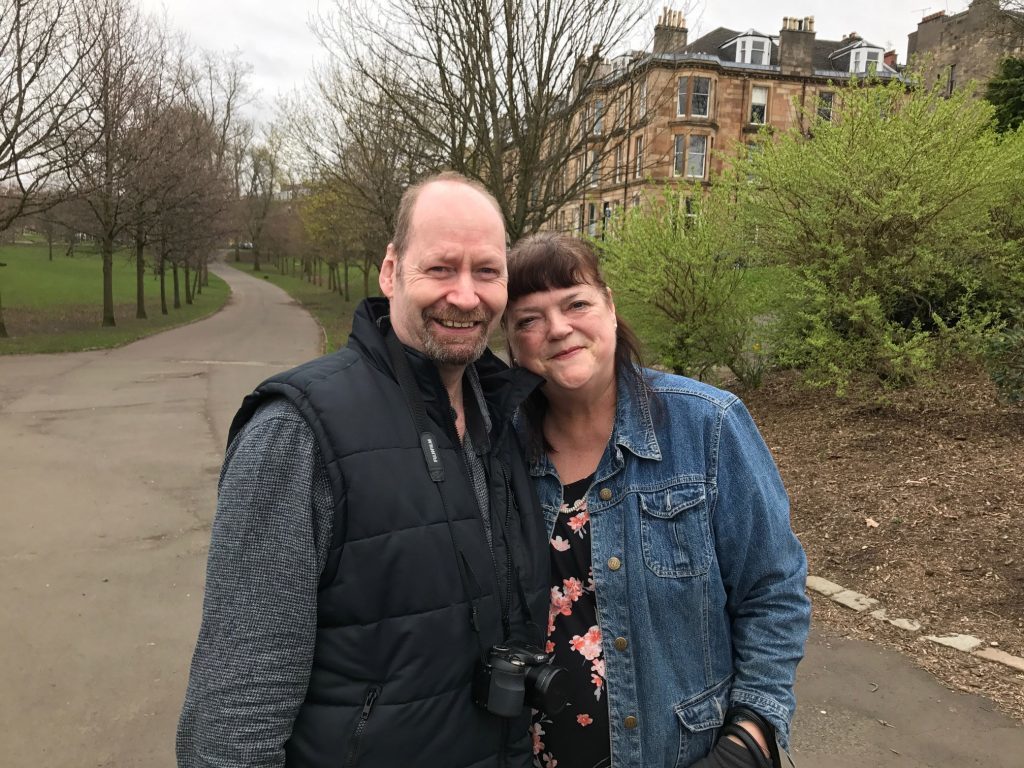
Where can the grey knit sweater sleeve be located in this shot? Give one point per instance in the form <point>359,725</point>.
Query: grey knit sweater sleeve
<point>270,538</point>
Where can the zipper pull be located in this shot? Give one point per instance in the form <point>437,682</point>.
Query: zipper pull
<point>371,698</point>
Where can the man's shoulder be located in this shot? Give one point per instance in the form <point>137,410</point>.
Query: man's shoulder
<point>319,368</point>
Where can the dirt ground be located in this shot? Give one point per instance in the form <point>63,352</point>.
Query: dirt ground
<point>917,503</point>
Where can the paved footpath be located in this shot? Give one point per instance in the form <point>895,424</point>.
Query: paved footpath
<point>108,472</point>
<point>108,469</point>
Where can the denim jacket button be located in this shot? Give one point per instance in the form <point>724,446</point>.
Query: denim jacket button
<point>614,563</point>
<point>605,494</point>
<point>630,722</point>
<point>621,643</point>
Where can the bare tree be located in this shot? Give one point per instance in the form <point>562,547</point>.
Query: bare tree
<point>43,98</point>
<point>359,155</point>
<point>262,173</point>
<point>492,88</point>
<point>120,74</point>
<point>1012,12</point>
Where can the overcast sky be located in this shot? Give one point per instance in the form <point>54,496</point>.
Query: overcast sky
<point>274,36</point>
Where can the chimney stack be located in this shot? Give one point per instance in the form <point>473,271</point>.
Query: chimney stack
<point>890,59</point>
<point>796,46</point>
<point>670,32</point>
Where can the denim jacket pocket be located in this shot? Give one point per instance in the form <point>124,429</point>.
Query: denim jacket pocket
<point>674,531</point>
<point>700,718</point>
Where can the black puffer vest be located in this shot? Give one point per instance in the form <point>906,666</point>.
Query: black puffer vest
<point>395,650</point>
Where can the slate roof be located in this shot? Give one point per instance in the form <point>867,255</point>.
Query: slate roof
<point>720,43</point>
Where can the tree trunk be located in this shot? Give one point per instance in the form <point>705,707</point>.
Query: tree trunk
<point>163,286</point>
<point>177,292</point>
<point>347,296</point>
<point>3,328</point>
<point>205,282</point>
<point>238,253</point>
<point>255,259</point>
<point>140,281</point>
<point>188,283</point>
<point>196,289</point>
<point>107,249</point>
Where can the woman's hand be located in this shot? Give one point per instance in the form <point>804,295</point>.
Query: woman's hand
<point>728,754</point>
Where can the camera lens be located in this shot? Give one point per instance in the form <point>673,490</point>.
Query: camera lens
<point>547,688</point>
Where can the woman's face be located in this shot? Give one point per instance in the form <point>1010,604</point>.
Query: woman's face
<point>566,335</point>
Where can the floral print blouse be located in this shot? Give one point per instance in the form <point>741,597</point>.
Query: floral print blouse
<point>579,736</point>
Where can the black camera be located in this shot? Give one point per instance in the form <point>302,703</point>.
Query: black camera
<point>516,675</point>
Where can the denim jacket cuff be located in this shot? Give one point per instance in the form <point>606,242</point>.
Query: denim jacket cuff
<point>772,710</point>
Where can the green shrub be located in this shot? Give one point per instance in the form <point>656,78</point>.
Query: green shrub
<point>1004,358</point>
<point>677,257</point>
<point>894,221</point>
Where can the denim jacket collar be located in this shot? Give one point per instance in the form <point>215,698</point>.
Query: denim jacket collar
<point>633,428</point>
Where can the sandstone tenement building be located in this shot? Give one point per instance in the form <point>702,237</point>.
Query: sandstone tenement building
<point>669,113</point>
<point>964,47</point>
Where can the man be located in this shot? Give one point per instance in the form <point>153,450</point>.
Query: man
<point>376,533</point>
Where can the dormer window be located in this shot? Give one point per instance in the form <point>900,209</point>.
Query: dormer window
<point>865,60</point>
<point>751,49</point>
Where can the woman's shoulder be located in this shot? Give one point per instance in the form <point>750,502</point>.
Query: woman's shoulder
<point>682,391</point>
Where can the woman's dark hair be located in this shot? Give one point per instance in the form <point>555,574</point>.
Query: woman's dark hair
<point>549,261</point>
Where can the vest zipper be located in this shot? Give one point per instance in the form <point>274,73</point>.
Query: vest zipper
<point>509,565</point>
<point>353,752</point>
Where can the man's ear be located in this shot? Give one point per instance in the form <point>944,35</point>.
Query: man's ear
<point>388,270</point>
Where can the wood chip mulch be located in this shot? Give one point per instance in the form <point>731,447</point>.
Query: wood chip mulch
<point>917,502</point>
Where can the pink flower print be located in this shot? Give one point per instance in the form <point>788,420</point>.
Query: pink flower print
<point>537,730</point>
<point>590,580</point>
<point>549,761</point>
<point>560,603</point>
<point>560,544</point>
<point>598,667</point>
<point>589,644</point>
<point>584,720</point>
<point>573,588</point>
<point>549,647</point>
<point>578,521</point>
<point>598,682</point>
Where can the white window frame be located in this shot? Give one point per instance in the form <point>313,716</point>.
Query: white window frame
<point>745,50</point>
<point>598,117</point>
<point>767,95</point>
<point>862,59</point>
<point>678,154</point>
<point>638,160</point>
<point>619,166</point>
<point>707,97</point>
<point>593,168</point>
<point>690,154</point>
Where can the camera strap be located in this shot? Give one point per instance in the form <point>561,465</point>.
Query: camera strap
<point>432,460</point>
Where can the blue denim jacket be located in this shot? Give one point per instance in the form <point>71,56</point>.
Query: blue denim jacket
<point>699,578</point>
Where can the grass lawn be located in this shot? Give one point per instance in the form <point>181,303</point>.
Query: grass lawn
<point>329,308</point>
<point>57,306</point>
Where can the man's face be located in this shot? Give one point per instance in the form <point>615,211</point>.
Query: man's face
<point>451,287</point>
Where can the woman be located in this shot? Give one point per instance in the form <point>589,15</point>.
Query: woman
<point>678,601</point>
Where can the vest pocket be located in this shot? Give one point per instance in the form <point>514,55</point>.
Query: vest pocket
<point>674,531</point>
<point>352,760</point>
